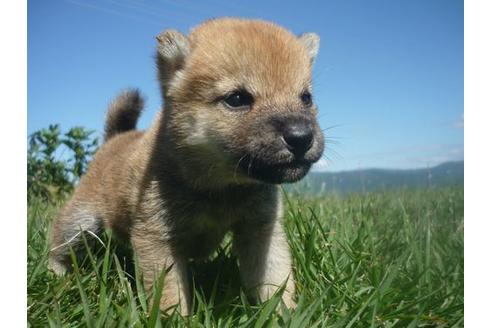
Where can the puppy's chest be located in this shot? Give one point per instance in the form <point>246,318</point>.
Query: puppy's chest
<point>197,222</point>
<point>216,212</point>
<point>198,228</point>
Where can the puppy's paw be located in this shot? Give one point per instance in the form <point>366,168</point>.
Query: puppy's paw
<point>290,304</point>
<point>58,267</point>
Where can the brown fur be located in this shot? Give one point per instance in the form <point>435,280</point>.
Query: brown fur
<point>203,168</point>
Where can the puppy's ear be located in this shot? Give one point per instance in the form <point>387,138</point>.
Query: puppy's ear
<point>172,50</point>
<point>311,43</point>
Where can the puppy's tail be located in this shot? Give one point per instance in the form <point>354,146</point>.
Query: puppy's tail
<point>123,113</point>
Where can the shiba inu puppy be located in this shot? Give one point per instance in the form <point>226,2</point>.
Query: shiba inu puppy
<point>238,120</point>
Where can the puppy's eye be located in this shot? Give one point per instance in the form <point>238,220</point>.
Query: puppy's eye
<point>240,98</point>
<point>306,98</point>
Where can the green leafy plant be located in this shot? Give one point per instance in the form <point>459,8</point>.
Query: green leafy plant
<point>52,172</point>
<point>79,141</point>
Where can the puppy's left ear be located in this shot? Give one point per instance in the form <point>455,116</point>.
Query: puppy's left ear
<point>172,50</point>
<point>311,43</point>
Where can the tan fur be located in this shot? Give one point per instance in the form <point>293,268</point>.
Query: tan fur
<point>177,188</point>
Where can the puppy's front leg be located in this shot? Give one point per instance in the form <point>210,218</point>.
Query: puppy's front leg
<point>265,261</point>
<point>155,255</point>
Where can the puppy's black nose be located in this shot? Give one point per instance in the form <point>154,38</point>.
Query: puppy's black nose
<point>299,137</point>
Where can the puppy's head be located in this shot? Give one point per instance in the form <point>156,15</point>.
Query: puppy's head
<point>239,100</point>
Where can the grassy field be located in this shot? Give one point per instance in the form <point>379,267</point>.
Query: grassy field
<point>373,260</point>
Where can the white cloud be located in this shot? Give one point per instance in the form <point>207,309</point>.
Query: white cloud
<point>418,156</point>
<point>443,155</point>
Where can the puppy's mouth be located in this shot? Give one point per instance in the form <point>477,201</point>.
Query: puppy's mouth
<point>275,173</point>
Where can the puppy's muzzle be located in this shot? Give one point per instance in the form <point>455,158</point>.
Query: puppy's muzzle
<point>281,148</point>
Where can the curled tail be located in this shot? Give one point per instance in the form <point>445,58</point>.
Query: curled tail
<point>123,113</point>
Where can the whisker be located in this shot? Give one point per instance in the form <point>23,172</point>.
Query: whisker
<point>333,126</point>
<point>330,137</point>
<point>237,166</point>
<point>332,142</point>
<point>333,138</point>
<point>252,158</point>
<point>333,152</point>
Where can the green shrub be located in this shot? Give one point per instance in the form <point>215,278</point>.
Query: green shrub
<point>56,161</point>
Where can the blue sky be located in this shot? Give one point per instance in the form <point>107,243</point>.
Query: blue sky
<point>388,79</point>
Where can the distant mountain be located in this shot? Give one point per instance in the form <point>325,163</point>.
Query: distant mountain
<point>446,174</point>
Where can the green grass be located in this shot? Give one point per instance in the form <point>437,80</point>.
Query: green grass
<point>373,260</point>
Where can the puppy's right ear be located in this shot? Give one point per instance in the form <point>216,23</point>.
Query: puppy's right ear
<point>172,50</point>
<point>311,43</point>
